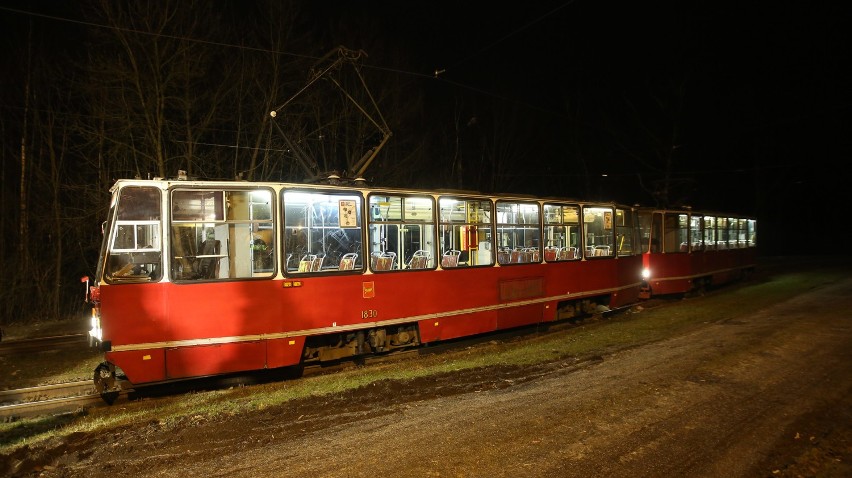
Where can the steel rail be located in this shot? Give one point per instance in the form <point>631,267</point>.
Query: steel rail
<point>40,344</point>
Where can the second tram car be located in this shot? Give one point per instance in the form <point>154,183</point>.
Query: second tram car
<point>198,278</point>
<point>685,250</point>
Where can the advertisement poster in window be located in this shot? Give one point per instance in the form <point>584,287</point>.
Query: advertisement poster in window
<point>348,213</point>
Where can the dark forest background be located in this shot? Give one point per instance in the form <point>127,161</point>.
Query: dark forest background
<point>680,105</point>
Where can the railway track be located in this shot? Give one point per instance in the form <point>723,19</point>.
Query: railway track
<point>48,399</point>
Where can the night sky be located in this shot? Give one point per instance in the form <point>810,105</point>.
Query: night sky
<point>752,99</point>
<point>745,104</point>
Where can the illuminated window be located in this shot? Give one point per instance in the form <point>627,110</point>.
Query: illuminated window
<point>465,232</point>
<point>222,234</point>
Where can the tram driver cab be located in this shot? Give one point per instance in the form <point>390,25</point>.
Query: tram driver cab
<point>135,244</point>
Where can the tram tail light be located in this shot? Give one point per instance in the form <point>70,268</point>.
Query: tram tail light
<point>85,280</point>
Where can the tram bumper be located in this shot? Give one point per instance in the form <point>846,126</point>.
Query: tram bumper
<point>105,382</point>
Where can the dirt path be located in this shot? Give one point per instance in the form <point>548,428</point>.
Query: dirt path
<point>768,395</point>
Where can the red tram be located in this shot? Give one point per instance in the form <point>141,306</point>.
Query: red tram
<point>199,278</point>
<point>685,251</point>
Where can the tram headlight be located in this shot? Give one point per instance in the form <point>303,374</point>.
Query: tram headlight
<point>96,332</point>
<point>646,273</point>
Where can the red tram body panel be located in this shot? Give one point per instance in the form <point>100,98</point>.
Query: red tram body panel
<point>200,278</point>
<point>171,331</point>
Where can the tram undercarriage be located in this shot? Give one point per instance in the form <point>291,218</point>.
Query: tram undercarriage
<point>575,309</point>
<point>326,348</point>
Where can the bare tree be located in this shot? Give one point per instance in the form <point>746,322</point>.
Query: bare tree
<point>156,96</point>
<point>662,138</point>
<point>491,146</point>
<point>269,72</point>
<point>23,219</point>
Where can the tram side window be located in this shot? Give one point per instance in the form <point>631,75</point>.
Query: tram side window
<point>222,234</point>
<point>733,233</point>
<point>742,233</point>
<point>709,232</point>
<point>135,247</point>
<point>561,232</point>
<point>722,230</point>
<point>518,233</point>
<point>599,231</point>
<point>626,230</point>
<point>322,232</point>
<point>401,232</point>
<point>696,233</point>
<point>465,232</point>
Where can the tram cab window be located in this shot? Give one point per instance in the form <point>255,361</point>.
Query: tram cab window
<point>135,245</point>
<point>401,234</point>
<point>465,235</point>
<point>222,234</point>
<point>322,231</point>
<point>518,232</point>
<point>561,232</point>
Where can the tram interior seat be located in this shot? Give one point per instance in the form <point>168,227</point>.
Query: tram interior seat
<point>450,258</point>
<point>684,247</point>
<point>504,256</point>
<point>382,261</point>
<point>208,267</point>
<point>307,263</point>
<point>551,253</point>
<point>568,253</point>
<point>520,256</point>
<point>533,254</point>
<point>420,259</point>
<point>347,262</point>
<point>600,251</point>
